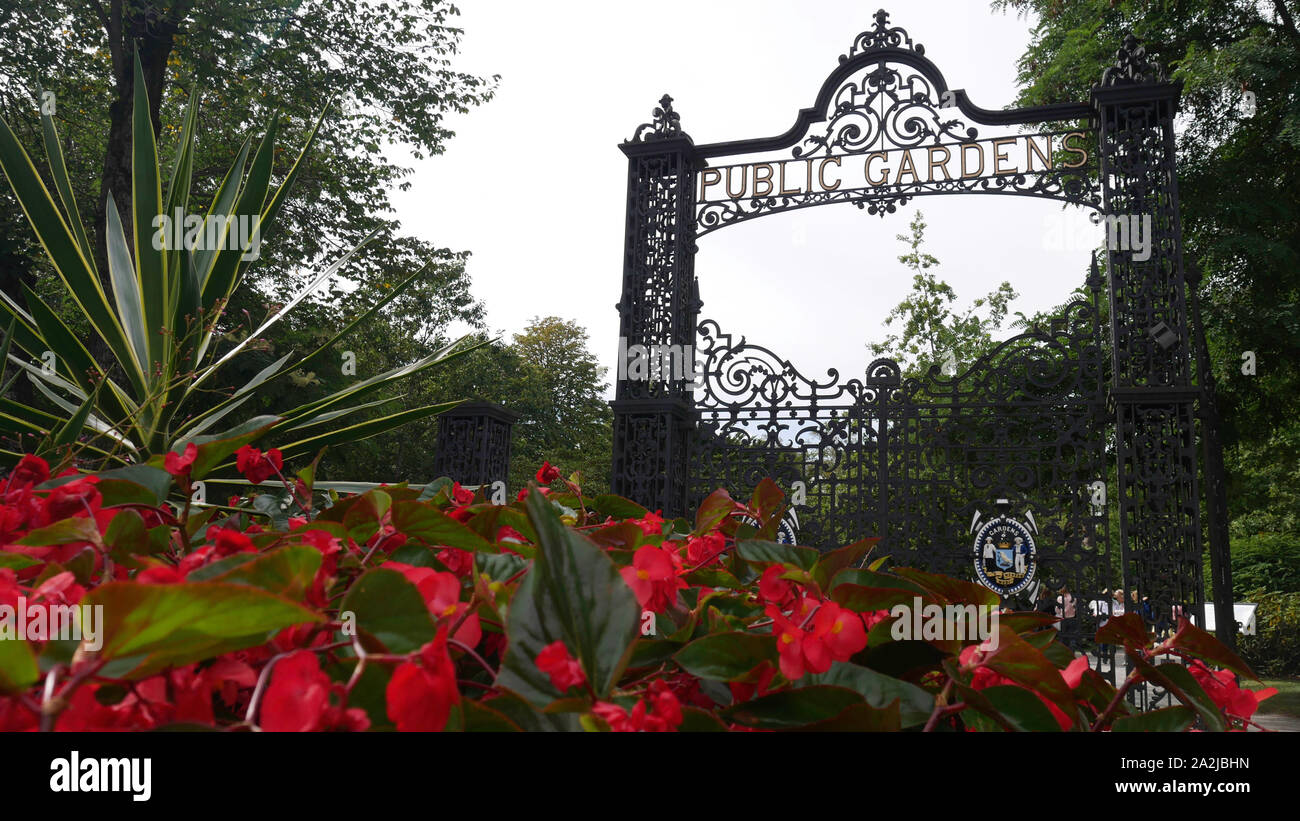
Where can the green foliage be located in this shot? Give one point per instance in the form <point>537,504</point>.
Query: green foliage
<point>391,65</point>
<point>547,374</point>
<point>1266,561</point>
<point>148,628</point>
<point>165,328</point>
<point>1264,482</point>
<point>17,666</point>
<point>574,594</point>
<point>561,394</point>
<point>931,330</point>
<point>1238,155</point>
<point>1274,650</point>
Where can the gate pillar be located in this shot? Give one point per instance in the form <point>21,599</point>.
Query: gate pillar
<point>474,443</point>
<point>1152,388</point>
<point>658,312</point>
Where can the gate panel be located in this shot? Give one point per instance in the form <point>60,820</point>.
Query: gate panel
<point>1040,429</point>
<point>921,462</point>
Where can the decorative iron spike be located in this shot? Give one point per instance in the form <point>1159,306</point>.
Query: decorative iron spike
<point>1132,67</point>
<point>665,123</point>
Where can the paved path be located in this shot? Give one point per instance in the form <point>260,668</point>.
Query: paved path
<point>1271,721</point>
<point>1276,721</point>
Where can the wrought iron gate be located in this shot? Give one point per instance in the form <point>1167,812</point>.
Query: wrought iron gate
<point>920,462</point>
<point>1043,426</point>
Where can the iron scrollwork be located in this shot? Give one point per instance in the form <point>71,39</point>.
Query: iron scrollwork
<point>881,35</point>
<point>1132,67</point>
<point>913,459</point>
<point>882,107</point>
<point>891,102</point>
<point>665,123</point>
<point>1037,424</point>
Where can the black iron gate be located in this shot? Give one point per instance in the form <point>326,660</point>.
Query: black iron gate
<point>1064,427</point>
<point>921,462</point>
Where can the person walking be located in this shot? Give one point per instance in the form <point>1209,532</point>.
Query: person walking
<point>1043,603</point>
<point>1117,609</point>
<point>1100,609</point>
<point>1066,610</point>
<point>1144,607</point>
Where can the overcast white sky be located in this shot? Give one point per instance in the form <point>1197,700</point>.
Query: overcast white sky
<point>533,184</point>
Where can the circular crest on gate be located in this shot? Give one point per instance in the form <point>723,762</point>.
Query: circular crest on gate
<point>787,532</point>
<point>1005,555</point>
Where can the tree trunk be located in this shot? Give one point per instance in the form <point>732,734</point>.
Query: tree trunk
<point>1216,480</point>
<point>137,31</point>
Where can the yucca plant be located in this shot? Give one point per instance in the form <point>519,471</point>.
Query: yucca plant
<point>164,317</point>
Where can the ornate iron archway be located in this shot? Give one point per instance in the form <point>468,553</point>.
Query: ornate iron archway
<point>1041,426</point>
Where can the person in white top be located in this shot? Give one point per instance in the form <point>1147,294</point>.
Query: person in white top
<point>1100,608</point>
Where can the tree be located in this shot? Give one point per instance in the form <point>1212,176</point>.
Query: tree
<point>547,374</point>
<point>163,328</point>
<point>560,392</point>
<point>1239,175</point>
<point>932,331</point>
<point>382,72</point>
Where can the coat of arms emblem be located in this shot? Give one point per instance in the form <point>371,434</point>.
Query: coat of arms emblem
<point>787,532</point>
<point>1005,555</point>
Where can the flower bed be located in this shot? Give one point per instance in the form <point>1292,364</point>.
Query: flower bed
<point>434,610</point>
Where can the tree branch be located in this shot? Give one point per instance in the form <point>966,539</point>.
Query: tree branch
<point>1288,22</point>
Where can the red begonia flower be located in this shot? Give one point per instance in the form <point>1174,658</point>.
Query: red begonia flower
<point>664,703</point>
<point>30,470</point>
<point>773,589</point>
<point>789,645</point>
<point>653,577</point>
<point>651,524</point>
<point>840,630</point>
<point>76,498</point>
<point>178,464</point>
<point>161,574</point>
<point>256,466</point>
<point>563,669</point>
<point>703,549</point>
<point>423,691</point>
<point>461,496</point>
<point>298,695</point>
<point>1073,673</point>
<point>441,594</point>
<point>506,533</point>
<point>742,691</point>
<point>640,720</point>
<point>1222,688</point>
<point>228,541</point>
<point>870,620</point>
<point>662,715</point>
<point>547,473</point>
<point>460,562</point>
